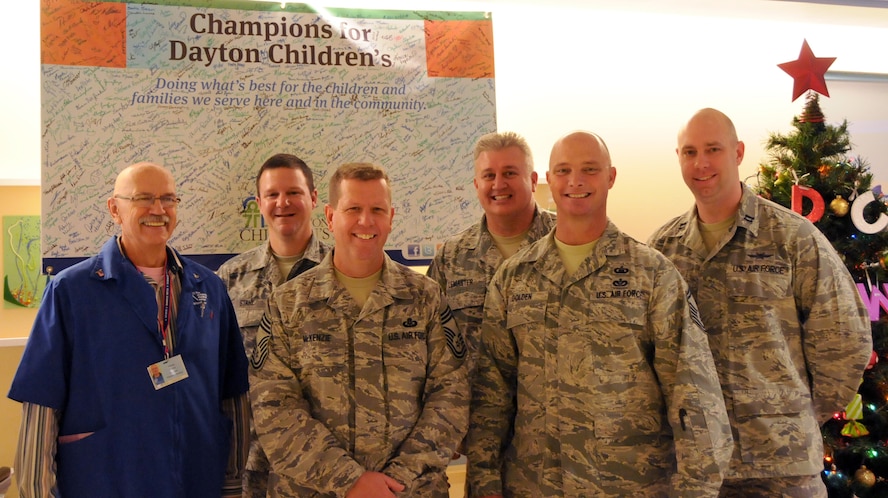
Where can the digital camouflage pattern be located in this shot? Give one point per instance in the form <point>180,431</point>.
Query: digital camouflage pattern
<point>786,325</point>
<point>604,378</point>
<point>250,277</point>
<point>465,264</point>
<point>346,389</point>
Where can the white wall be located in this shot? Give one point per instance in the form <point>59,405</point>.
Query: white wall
<point>632,73</point>
<point>20,95</point>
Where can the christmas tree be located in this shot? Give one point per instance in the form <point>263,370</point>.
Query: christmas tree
<point>810,171</point>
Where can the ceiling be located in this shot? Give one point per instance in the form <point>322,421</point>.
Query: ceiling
<point>848,3</point>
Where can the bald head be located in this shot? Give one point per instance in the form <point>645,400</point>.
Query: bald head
<point>580,140</point>
<point>128,178</point>
<point>712,119</point>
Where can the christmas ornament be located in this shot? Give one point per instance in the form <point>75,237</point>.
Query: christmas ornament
<point>835,479</point>
<point>883,260</point>
<point>874,358</point>
<point>781,179</point>
<point>864,477</point>
<point>824,170</point>
<point>812,113</point>
<point>872,296</point>
<point>807,72</point>
<point>857,215</point>
<point>800,191</point>
<point>853,413</point>
<point>839,206</point>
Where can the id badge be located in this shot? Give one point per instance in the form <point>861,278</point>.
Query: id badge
<point>166,372</point>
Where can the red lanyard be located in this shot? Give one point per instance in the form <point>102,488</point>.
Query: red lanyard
<point>164,326</point>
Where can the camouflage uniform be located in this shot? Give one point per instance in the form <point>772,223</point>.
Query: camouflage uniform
<point>464,265</point>
<point>786,325</point>
<point>342,390</point>
<point>594,384</point>
<point>250,277</point>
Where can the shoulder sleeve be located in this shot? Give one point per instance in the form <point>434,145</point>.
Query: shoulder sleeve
<point>695,405</point>
<point>836,324</point>
<point>42,375</point>
<point>493,397</point>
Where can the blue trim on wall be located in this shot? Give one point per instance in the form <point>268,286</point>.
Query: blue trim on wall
<point>214,261</point>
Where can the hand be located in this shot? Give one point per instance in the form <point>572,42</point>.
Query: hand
<point>374,485</point>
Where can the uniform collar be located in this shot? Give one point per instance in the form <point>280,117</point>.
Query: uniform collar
<point>611,243</point>
<point>483,238</point>
<point>747,214</point>
<point>392,278</point>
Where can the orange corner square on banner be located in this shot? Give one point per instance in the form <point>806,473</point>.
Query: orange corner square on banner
<point>76,33</point>
<point>459,49</point>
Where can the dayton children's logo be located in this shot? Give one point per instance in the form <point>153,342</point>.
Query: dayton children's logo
<point>254,224</point>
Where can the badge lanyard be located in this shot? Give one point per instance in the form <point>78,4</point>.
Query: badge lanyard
<point>171,369</point>
<point>164,325</point>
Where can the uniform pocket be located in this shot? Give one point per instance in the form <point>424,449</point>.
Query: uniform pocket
<point>324,368</point>
<point>85,464</point>
<point>759,282</point>
<point>775,425</point>
<point>631,455</point>
<point>466,297</point>
<point>249,316</point>
<point>526,309</point>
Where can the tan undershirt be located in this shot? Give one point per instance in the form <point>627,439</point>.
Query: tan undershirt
<point>713,232</point>
<point>286,263</point>
<point>573,256</point>
<point>508,246</point>
<point>359,288</point>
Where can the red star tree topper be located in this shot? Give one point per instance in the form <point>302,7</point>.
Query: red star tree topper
<point>807,72</point>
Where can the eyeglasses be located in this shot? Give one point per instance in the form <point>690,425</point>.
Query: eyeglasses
<point>146,201</point>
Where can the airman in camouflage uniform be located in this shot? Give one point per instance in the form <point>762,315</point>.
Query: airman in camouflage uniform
<point>249,278</point>
<point>465,263</point>
<point>351,396</point>
<point>596,381</point>
<point>785,323</point>
<point>252,275</point>
<point>286,197</point>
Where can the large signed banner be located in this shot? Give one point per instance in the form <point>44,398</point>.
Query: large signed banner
<point>211,89</point>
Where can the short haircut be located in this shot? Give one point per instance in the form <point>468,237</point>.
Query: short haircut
<point>356,171</point>
<point>286,161</point>
<point>504,140</point>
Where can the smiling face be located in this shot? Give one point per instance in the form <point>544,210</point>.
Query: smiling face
<point>361,221</point>
<point>144,230</point>
<point>710,156</point>
<point>286,202</point>
<point>580,175</point>
<point>505,182</point>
